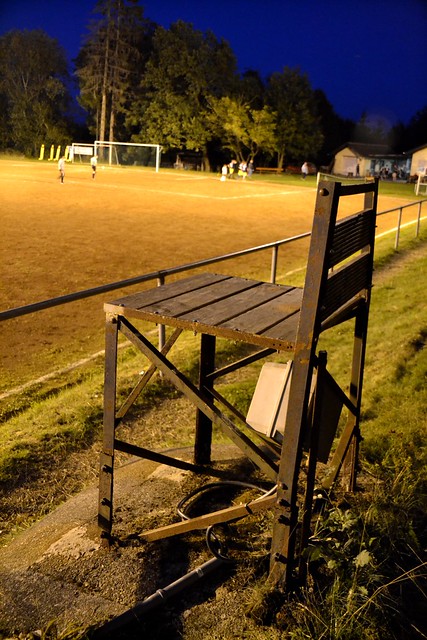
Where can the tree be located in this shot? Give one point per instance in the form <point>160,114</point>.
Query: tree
<point>412,135</point>
<point>369,130</point>
<point>186,69</point>
<point>417,129</point>
<point>251,89</point>
<point>245,131</point>
<point>298,133</point>
<point>336,130</point>
<point>110,64</point>
<point>33,93</point>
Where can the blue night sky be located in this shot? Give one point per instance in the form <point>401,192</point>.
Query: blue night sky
<point>366,56</point>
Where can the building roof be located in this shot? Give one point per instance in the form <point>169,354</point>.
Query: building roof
<point>410,151</point>
<point>368,150</point>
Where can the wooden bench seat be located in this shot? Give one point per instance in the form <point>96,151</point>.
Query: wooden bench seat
<point>268,170</point>
<point>258,313</point>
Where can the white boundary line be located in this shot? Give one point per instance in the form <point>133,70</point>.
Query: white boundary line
<point>402,226</point>
<point>380,235</point>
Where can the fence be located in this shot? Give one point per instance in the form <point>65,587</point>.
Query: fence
<point>160,276</point>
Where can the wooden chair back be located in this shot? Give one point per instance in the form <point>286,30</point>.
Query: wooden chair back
<point>337,288</point>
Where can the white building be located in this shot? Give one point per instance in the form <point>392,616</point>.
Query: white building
<point>362,159</point>
<point>418,160</point>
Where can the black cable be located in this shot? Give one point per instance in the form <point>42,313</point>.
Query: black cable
<point>210,487</point>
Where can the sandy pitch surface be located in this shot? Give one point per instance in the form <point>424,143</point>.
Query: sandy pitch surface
<point>62,238</point>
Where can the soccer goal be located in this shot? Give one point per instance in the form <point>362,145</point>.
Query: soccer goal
<point>128,154</point>
<point>80,152</point>
<point>421,184</point>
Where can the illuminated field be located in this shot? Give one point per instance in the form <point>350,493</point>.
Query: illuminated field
<point>57,239</point>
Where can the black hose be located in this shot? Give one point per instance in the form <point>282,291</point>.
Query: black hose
<point>158,598</point>
<point>214,544</point>
<point>210,487</point>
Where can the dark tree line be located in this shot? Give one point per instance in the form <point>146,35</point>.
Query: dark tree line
<point>178,87</point>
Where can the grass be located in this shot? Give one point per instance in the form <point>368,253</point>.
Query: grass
<point>386,187</point>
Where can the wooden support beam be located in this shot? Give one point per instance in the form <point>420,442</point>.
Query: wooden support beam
<point>205,521</point>
<point>199,400</point>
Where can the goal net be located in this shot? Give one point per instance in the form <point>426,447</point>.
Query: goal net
<point>128,154</point>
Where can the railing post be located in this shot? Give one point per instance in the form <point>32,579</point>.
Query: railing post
<point>417,228</point>
<point>399,222</point>
<point>274,255</point>
<point>149,277</point>
<point>162,330</point>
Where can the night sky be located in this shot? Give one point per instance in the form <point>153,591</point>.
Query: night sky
<point>367,56</point>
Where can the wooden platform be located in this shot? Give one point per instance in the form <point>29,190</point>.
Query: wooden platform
<point>239,309</point>
<point>274,318</point>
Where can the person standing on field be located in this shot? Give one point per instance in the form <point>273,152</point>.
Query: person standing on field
<point>304,170</point>
<point>93,163</point>
<point>231,169</point>
<point>61,169</point>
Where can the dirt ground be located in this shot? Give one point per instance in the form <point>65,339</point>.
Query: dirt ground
<point>62,238</point>
<point>57,571</point>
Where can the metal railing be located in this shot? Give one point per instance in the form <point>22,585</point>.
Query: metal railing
<point>161,275</point>
<point>399,219</point>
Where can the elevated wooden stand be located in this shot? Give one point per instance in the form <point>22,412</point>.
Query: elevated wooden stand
<point>275,318</point>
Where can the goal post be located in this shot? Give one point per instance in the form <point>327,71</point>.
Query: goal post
<point>128,154</point>
<point>421,183</point>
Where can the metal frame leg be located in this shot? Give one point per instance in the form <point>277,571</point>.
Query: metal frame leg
<point>105,504</point>
<point>203,438</point>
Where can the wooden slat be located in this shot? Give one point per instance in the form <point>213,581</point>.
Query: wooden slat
<point>351,235</point>
<point>286,330</point>
<point>355,189</point>
<point>223,310</point>
<point>260,319</point>
<point>345,284</point>
<point>158,294</point>
<point>205,521</point>
<point>196,299</point>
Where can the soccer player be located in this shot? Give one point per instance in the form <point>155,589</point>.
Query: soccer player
<point>304,170</point>
<point>93,163</point>
<point>61,168</point>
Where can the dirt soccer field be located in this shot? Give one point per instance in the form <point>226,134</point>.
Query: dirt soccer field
<point>62,238</point>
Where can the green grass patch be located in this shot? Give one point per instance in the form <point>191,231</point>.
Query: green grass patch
<point>386,187</point>
<point>50,429</point>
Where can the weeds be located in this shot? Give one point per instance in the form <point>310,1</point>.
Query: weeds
<point>368,575</point>
<point>51,632</point>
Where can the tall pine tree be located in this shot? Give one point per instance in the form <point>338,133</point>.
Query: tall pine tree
<point>110,64</point>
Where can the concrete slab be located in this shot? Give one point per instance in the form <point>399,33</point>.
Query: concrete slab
<point>57,570</point>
